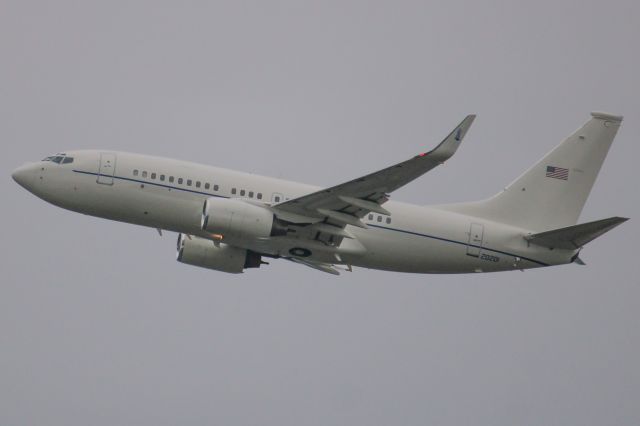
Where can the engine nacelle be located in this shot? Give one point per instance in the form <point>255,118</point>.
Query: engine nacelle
<point>237,219</point>
<point>220,257</point>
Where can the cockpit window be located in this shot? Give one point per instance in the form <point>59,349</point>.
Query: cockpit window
<point>59,159</point>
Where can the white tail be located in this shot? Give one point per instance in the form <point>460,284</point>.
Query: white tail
<point>552,193</point>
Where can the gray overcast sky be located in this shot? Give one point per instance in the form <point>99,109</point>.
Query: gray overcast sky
<point>100,325</point>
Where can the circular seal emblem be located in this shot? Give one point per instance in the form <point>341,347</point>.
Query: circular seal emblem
<point>300,252</point>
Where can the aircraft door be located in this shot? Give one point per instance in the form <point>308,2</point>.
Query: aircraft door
<point>107,168</point>
<point>476,234</point>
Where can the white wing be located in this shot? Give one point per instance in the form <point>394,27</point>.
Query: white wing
<point>347,203</point>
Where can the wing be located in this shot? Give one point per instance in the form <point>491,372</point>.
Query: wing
<point>345,204</point>
<point>324,267</point>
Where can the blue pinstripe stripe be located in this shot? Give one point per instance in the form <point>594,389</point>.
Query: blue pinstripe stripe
<point>433,237</point>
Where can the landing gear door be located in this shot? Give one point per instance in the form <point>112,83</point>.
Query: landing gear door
<point>476,234</point>
<point>107,168</point>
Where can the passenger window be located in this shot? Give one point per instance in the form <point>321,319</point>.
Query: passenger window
<point>242,192</point>
<point>379,218</point>
<point>188,182</point>
<point>388,220</point>
<point>135,173</point>
<point>250,194</point>
<point>370,217</point>
<point>153,175</point>
<point>171,179</point>
<point>180,181</point>
<point>162,178</point>
<point>259,195</point>
<point>197,184</point>
<point>215,187</point>
<point>206,185</point>
<point>144,174</point>
<point>67,160</point>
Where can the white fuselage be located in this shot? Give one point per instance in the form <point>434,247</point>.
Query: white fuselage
<point>169,194</point>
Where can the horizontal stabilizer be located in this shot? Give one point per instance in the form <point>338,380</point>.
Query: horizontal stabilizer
<point>576,236</point>
<point>578,261</point>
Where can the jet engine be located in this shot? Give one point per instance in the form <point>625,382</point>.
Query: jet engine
<point>237,219</point>
<point>221,257</point>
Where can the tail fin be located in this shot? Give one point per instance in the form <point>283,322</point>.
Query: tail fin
<point>552,193</point>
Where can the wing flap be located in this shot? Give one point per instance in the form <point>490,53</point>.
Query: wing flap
<point>345,218</point>
<point>332,230</point>
<point>364,204</point>
<point>324,267</point>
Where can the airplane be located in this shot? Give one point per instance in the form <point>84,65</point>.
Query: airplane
<point>231,221</point>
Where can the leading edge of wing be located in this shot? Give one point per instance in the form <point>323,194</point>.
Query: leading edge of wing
<point>356,196</point>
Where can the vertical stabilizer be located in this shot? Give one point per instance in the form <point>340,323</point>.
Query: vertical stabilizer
<point>552,193</point>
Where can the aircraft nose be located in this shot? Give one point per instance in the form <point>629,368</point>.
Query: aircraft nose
<point>22,175</point>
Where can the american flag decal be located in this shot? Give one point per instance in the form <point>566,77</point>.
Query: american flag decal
<point>557,173</point>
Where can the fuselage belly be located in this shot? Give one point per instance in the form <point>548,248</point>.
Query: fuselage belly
<point>414,238</point>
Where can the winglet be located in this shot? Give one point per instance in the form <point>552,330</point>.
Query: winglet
<point>450,144</point>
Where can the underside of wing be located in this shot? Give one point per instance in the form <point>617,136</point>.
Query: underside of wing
<point>324,267</point>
